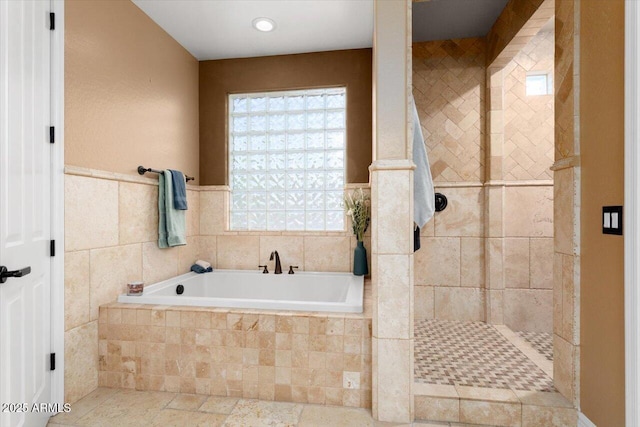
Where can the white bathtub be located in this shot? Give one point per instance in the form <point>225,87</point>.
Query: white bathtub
<point>302,291</point>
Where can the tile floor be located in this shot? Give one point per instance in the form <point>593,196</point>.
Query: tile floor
<point>122,408</point>
<point>476,354</point>
<point>542,342</point>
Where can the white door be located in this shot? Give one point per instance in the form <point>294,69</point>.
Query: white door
<point>25,210</point>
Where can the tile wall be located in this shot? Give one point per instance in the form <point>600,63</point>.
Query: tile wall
<point>110,239</point>
<point>489,254</point>
<point>294,357</point>
<point>111,225</point>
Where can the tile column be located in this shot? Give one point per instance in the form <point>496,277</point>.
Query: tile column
<point>494,197</point>
<point>392,215</point>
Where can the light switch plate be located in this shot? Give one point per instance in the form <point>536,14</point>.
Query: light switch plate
<point>612,220</point>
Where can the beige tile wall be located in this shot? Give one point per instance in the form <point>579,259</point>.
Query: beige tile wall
<point>111,226</point>
<point>311,251</point>
<point>448,86</point>
<point>492,248</point>
<point>293,357</point>
<point>529,120</point>
<point>111,223</point>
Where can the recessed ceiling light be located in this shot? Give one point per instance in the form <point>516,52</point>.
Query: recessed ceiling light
<point>264,24</point>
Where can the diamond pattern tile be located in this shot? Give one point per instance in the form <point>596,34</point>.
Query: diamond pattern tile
<point>473,354</point>
<point>448,86</point>
<point>541,342</point>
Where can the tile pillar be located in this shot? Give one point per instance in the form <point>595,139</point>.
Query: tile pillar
<point>392,215</point>
<point>566,267</point>
<point>494,197</point>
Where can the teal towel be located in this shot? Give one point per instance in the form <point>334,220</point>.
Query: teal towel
<point>172,223</point>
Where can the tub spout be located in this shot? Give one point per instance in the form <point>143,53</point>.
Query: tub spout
<point>278,269</point>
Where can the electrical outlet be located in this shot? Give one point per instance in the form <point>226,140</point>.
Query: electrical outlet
<point>612,220</point>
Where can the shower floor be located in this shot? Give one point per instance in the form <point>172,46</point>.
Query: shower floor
<point>476,354</point>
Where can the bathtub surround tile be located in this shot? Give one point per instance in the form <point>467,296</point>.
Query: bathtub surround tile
<point>111,270</point>
<point>327,253</point>
<point>464,213</point>
<point>238,252</point>
<point>290,249</point>
<point>188,254</point>
<point>464,304</point>
<point>137,212</point>
<point>207,249</point>
<point>91,213</point>
<point>181,348</point>
<point>81,368</point>
<point>76,289</point>
<point>158,264</point>
<point>193,213</point>
<point>213,212</point>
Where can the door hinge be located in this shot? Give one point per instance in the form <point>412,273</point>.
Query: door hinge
<point>52,248</point>
<point>52,360</point>
<point>52,21</point>
<point>52,134</point>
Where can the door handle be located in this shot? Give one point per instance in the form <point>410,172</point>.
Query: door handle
<point>4,273</point>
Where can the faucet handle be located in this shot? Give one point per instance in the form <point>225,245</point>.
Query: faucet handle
<point>265,271</point>
<point>291,267</point>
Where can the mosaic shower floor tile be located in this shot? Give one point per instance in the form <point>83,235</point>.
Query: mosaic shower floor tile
<point>541,341</point>
<point>473,354</point>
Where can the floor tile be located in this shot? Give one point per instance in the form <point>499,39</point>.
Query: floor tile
<point>187,402</point>
<point>541,341</point>
<point>127,408</point>
<point>84,406</point>
<point>257,413</point>
<point>218,405</point>
<point>318,416</point>
<point>178,418</point>
<point>473,354</point>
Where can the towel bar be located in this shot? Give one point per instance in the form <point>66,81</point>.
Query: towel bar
<point>142,170</point>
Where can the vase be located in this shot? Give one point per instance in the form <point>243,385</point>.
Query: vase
<point>360,260</point>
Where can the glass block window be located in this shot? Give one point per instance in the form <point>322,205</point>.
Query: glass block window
<point>287,160</point>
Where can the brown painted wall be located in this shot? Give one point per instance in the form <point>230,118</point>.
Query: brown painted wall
<point>602,153</point>
<point>351,68</point>
<point>131,91</point>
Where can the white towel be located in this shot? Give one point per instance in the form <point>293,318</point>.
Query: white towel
<point>423,192</point>
<point>203,264</point>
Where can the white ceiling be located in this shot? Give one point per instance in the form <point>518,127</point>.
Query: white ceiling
<point>218,29</point>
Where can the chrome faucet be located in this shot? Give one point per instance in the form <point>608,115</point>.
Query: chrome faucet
<point>278,269</point>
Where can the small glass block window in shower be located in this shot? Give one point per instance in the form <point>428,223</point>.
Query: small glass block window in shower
<point>287,160</point>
